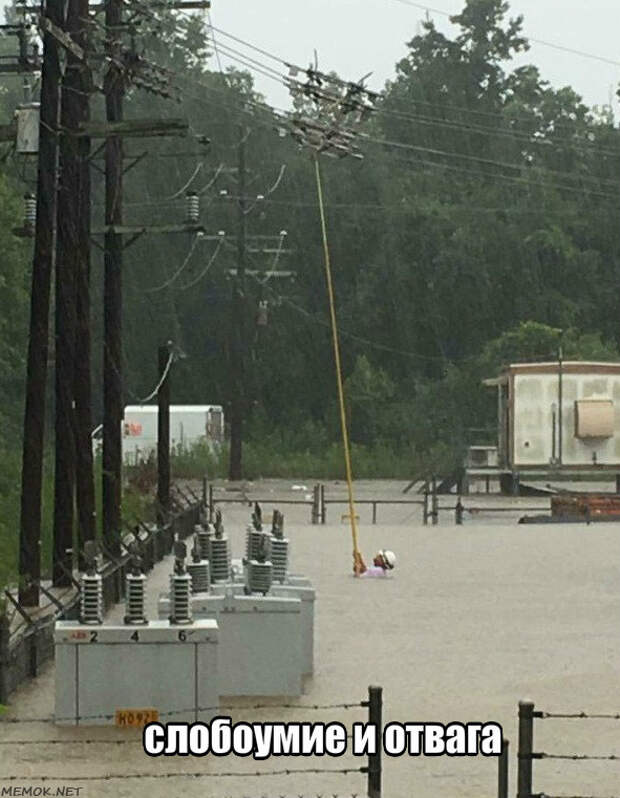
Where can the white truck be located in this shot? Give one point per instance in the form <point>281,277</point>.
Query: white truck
<point>189,425</point>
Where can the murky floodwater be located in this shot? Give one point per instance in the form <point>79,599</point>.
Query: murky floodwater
<point>475,618</point>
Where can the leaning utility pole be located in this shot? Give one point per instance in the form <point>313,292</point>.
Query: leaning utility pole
<point>112,291</point>
<point>43,262</point>
<point>238,324</point>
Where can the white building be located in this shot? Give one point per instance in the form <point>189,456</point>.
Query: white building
<point>555,417</point>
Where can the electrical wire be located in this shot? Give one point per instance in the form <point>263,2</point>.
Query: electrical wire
<point>203,273</point>
<point>161,381</point>
<point>274,265</point>
<point>546,170</point>
<point>212,181</point>
<point>178,271</point>
<point>187,185</point>
<point>562,48</point>
<point>282,61</point>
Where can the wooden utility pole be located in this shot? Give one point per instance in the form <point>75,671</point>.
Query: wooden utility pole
<point>112,291</point>
<point>85,481</point>
<point>238,326</point>
<point>67,257</point>
<point>74,464</point>
<point>163,433</point>
<point>43,262</point>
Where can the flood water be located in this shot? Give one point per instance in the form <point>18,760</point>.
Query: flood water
<point>474,619</point>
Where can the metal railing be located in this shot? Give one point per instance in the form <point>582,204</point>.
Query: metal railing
<point>23,650</point>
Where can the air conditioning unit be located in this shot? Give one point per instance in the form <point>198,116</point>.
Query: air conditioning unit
<point>482,457</point>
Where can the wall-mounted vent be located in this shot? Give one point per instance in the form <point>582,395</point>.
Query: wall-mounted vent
<point>594,418</point>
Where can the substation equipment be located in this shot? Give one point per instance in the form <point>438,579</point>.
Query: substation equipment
<point>225,628</point>
<point>166,669</point>
<point>265,616</point>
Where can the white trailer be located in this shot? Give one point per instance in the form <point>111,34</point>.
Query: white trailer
<point>189,425</point>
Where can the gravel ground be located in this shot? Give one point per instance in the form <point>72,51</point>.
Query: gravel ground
<point>474,619</point>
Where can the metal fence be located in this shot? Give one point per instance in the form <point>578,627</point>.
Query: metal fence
<point>23,650</point>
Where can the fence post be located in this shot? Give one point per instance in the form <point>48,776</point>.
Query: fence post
<point>211,508</point>
<point>374,512</point>
<point>526,745</point>
<point>502,770</point>
<point>458,512</point>
<point>425,505</point>
<point>435,503</point>
<point>375,717</point>
<point>33,651</point>
<point>314,512</point>
<point>205,482</point>
<point>5,634</point>
<point>323,506</point>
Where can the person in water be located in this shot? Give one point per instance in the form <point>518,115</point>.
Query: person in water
<point>383,561</point>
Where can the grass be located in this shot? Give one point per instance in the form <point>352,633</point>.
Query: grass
<point>136,504</point>
<point>264,460</point>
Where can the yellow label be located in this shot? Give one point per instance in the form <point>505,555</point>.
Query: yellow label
<point>135,718</point>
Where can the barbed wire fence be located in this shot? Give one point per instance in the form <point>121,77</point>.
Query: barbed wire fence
<point>372,769</point>
<point>527,756</point>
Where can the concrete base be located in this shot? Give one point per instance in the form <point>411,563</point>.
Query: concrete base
<point>102,669</point>
<point>307,597</point>
<point>260,650</point>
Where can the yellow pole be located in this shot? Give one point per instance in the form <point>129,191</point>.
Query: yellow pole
<point>358,563</point>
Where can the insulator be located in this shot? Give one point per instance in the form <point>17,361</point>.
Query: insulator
<point>279,558</point>
<point>180,604</point>
<point>192,208</point>
<point>219,559</point>
<point>204,533</point>
<point>30,211</point>
<point>91,600</point>
<point>258,577</point>
<point>262,316</point>
<point>256,544</point>
<point>134,599</point>
<point>201,579</point>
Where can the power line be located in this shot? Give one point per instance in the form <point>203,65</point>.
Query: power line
<point>478,159</point>
<point>203,273</point>
<point>176,274</point>
<point>562,48</point>
<point>429,150</point>
<point>374,344</point>
<point>444,153</point>
<point>516,135</point>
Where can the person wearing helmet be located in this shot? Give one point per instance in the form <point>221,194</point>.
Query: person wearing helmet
<point>383,562</point>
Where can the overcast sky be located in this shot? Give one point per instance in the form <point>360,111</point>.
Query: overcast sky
<point>354,37</point>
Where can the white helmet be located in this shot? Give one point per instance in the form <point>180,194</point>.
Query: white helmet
<point>389,558</point>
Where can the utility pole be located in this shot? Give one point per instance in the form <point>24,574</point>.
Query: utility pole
<point>163,433</point>
<point>36,370</point>
<point>73,445</point>
<point>67,255</point>
<point>238,325</point>
<point>85,480</point>
<point>112,291</point>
